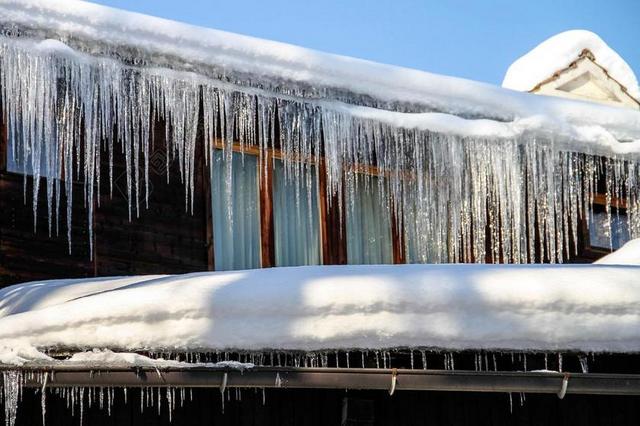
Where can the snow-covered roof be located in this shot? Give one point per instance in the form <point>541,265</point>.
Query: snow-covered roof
<point>294,70</point>
<point>557,52</point>
<point>450,307</point>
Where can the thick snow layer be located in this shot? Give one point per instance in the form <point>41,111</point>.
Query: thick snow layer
<point>628,254</point>
<point>109,358</point>
<point>454,307</point>
<point>264,60</point>
<point>558,52</point>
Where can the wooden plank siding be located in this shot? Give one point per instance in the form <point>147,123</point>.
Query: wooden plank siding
<point>167,237</point>
<point>26,254</point>
<point>267,236</point>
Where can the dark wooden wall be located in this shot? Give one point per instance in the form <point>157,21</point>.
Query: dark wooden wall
<point>284,407</point>
<point>166,238</point>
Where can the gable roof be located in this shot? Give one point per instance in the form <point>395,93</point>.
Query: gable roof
<point>585,78</point>
<point>559,52</point>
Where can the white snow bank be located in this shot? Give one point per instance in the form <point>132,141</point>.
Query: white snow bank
<point>589,139</point>
<point>19,354</point>
<point>109,358</point>
<point>265,59</point>
<point>22,355</point>
<point>628,254</point>
<point>455,307</point>
<point>558,52</point>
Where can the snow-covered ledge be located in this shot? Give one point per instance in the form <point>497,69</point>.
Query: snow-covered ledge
<point>584,308</point>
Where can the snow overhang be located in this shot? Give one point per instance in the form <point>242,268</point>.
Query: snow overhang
<point>288,70</point>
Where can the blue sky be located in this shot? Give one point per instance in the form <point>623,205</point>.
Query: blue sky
<point>471,39</point>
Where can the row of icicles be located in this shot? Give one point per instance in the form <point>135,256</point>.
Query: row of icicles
<point>461,199</point>
<point>12,386</point>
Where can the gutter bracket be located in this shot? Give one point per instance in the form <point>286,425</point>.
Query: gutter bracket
<point>563,389</point>
<point>394,380</point>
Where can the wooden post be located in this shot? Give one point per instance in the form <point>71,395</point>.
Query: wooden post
<point>332,223</point>
<point>397,236</point>
<point>267,239</point>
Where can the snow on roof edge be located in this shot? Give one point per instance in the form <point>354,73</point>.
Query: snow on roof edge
<point>590,139</point>
<point>268,58</point>
<point>450,307</point>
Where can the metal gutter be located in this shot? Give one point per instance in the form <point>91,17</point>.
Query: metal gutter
<point>338,378</point>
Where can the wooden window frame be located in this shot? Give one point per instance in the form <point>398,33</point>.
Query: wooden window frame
<point>333,238</point>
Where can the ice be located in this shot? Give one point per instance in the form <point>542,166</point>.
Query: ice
<point>450,178</point>
<point>506,177</point>
<point>12,383</point>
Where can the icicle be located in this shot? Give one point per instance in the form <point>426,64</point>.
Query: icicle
<point>43,399</point>
<point>584,363</point>
<point>12,382</point>
<point>560,362</point>
<point>169,395</point>
<point>81,399</point>
<point>69,115</point>
<point>546,362</point>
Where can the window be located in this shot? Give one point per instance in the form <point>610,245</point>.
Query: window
<point>267,212</point>
<point>296,216</point>
<point>368,224</point>
<point>599,235</point>
<point>235,211</point>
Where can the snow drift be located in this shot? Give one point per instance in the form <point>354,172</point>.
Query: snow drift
<point>450,307</point>
<point>628,254</point>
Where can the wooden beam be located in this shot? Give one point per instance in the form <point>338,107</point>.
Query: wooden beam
<point>280,155</point>
<point>267,238</point>
<point>397,237</point>
<point>208,208</point>
<point>601,200</point>
<point>332,223</point>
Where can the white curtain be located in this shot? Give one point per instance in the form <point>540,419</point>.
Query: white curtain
<point>368,225</point>
<point>296,218</point>
<point>235,211</point>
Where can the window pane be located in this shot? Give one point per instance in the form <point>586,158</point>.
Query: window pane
<point>236,213</point>
<point>599,230</point>
<point>368,225</point>
<point>296,222</point>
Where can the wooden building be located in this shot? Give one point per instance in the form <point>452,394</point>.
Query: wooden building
<point>163,148</point>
